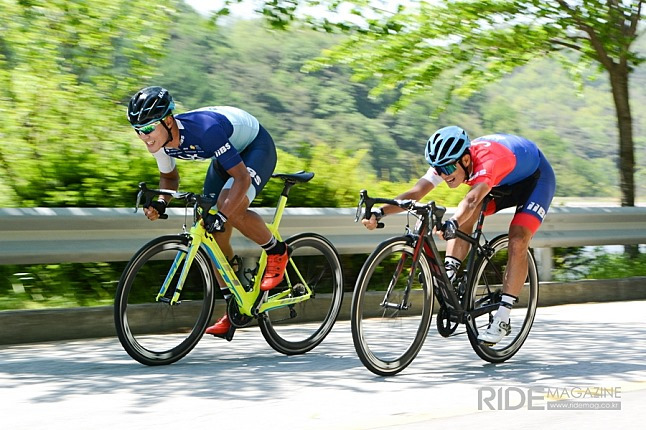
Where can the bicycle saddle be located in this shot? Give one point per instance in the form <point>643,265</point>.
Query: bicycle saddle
<point>297,177</point>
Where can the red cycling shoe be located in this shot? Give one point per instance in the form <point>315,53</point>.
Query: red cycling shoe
<point>221,327</point>
<point>275,271</point>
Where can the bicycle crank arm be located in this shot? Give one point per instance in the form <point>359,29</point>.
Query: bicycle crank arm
<point>400,307</point>
<point>484,310</point>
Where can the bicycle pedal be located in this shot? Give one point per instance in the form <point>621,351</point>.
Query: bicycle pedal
<point>228,336</point>
<point>489,344</point>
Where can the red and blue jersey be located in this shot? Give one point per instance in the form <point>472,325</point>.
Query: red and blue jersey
<point>502,159</point>
<point>507,160</point>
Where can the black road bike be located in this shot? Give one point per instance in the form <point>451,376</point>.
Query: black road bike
<point>394,294</point>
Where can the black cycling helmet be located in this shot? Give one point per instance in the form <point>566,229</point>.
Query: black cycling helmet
<point>149,105</point>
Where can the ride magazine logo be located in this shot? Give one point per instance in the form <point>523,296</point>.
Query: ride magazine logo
<point>549,398</point>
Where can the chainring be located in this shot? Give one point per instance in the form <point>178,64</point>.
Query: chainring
<point>445,326</point>
<point>236,318</point>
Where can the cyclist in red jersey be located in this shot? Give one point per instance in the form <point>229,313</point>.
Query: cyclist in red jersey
<point>492,161</point>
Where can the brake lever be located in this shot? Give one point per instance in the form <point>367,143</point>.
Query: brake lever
<point>357,215</point>
<point>364,199</point>
<point>148,198</point>
<point>139,195</point>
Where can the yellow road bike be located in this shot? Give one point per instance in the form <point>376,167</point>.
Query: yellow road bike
<point>166,294</point>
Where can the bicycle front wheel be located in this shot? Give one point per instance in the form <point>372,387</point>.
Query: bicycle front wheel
<point>151,330</point>
<point>298,328</point>
<point>487,289</point>
<point>391,307</point>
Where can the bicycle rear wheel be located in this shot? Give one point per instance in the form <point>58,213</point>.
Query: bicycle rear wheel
<point>298,328</point>
<point>487,289</point>
<point>153,331</point>
<point>388,328</point>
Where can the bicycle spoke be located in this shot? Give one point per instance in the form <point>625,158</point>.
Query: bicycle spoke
<point>390,308</point>
<point>487,290</point>
<point>316,268</point>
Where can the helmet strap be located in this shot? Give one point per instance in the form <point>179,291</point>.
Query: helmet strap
<point>170,135</point>
<point>466,172</point>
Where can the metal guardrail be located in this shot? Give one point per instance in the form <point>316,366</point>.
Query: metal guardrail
<point>59,235</point>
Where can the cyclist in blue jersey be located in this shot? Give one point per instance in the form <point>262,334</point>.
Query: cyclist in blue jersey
<point>497,160</point>
<point>243,158</point>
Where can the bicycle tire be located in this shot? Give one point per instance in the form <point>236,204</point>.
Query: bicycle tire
<point>298,328</point>
<point>486,288</point>
<point>387,340</point>
<point>154,332</point>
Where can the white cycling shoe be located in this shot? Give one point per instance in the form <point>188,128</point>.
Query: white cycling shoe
<point>495,332</point>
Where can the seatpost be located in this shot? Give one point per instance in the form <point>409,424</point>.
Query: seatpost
<point>481,217</point>
<point>288,186</point>
<point>282,202</point>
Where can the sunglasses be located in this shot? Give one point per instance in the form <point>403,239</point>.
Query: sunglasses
<point>146,129</point>
<point>446,170</point>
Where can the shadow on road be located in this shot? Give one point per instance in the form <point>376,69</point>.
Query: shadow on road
<point>581,351</point>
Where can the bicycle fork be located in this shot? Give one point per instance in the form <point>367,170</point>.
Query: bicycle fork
<point>405,303</point>
<point>179,258</point>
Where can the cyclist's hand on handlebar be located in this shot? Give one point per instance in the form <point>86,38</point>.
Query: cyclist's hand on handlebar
<point>215,222</point>
<point>155,210</point>
<point>448,230</point>
<point>372,222</point>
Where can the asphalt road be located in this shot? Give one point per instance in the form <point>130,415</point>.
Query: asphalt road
<point>574,354</point>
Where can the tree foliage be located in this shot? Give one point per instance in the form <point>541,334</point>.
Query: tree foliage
<point>420,47</point>
<point>65,86</point>
<point>66,69</point>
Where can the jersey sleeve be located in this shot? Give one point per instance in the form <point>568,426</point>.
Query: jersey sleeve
<point>217,145</point>
<point>432,177</point>
<point>165,162</point>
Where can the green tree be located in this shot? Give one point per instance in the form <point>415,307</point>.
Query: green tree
<point>67,70</point>
<point>471,44</point>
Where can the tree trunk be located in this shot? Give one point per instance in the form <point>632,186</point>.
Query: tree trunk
<point>619,83</point>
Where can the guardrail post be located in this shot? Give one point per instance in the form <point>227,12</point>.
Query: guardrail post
<point>544,262</point>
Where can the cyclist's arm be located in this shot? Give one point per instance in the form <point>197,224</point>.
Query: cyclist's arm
<point>168,181</point>
<point>417,192</point>
<point>471,202</point>
<point>236,199</point>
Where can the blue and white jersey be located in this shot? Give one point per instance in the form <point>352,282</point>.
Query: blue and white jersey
<point>219,132</point>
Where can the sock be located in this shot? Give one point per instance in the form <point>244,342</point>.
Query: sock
<point>504,309</point>
<point>452,265</point>
<point>274,246</point>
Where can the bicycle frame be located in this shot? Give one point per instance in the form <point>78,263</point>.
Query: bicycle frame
<point>421,236</point>
<point>249,302</point>
<point>450,299</point>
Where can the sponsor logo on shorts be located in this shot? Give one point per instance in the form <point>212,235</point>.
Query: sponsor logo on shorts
<point>536,208</point>
<point>254,176</point>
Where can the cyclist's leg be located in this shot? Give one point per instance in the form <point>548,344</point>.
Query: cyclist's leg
<point>260,159</point>
<point>457,249</point>
<point>528,218</point>
<point>533,204</point>
<point>214,181</point>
